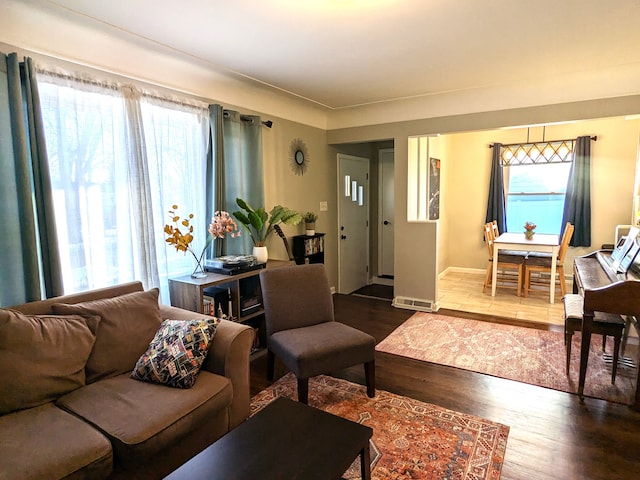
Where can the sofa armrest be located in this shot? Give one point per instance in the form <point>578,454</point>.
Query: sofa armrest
<point>228,356</point>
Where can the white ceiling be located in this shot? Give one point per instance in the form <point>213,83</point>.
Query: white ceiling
<point>345,53</point>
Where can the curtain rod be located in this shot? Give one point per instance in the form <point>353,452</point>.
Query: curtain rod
<point>249,118</point>
<point>594,138</point>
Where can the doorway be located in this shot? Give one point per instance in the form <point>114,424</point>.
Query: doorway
<point>386,207</point>
<point>353,222</point>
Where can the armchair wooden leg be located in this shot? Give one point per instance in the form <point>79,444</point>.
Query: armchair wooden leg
<point>303,390</point>
<point>370,378</point>
<point>271,360</point>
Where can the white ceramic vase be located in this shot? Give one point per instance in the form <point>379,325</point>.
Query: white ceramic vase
<point>261,254</point>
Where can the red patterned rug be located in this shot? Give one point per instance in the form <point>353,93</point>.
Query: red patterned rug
<point>527,355</point>
<point>411,439</point>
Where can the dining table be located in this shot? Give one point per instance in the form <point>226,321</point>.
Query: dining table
<point>539,242</point>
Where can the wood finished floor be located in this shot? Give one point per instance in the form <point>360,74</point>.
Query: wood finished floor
<point>462,291</point>
<point>552,434</point>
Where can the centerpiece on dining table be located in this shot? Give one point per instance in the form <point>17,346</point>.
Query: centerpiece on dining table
<point>529,230</point>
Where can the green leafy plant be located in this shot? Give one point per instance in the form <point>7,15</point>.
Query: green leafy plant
<point>259,224</point>
<point>310,217</point>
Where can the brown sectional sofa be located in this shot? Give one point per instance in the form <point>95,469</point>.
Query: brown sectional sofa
<point>79,414</point>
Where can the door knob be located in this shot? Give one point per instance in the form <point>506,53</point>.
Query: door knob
<point>343,237</point>
<point>386,222</point>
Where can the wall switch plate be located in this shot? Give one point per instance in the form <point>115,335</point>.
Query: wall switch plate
<point>323,206</point>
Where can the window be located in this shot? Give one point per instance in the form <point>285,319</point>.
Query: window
<point>536,194</point>
<point>85,144</point>
<point>95,194</point>
<point>417,179</point>
<point>536,176</point>
<point>176,143</point>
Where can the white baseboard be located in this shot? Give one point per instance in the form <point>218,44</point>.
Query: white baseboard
<point>460,270</point>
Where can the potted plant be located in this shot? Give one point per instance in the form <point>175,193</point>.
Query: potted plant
<point>259,224</point>
<point>309,219</point>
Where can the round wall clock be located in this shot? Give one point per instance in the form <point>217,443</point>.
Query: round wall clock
<point>298,157</point>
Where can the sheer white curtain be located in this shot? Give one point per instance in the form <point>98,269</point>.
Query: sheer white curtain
<point>116,176</point>
<point>140,188</point>
<point>176,137</point>
<point>85,134</point>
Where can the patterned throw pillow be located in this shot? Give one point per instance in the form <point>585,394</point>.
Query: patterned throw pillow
<point>176,353</point>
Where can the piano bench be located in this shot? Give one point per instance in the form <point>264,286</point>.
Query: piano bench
<point>605,324</point>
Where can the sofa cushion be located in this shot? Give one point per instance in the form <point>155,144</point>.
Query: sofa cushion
<point>47,442</point>
<point>176,353</point>
<point>42,357</point>
<point>142,419</point>
<point>128,323</point>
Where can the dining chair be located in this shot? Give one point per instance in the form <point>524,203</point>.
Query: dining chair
<point>508,263</point>
<point>541,264</point>
<point>302,331</point>
<point>494,229</point>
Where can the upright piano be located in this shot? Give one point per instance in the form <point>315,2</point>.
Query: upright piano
<point>596,278</point>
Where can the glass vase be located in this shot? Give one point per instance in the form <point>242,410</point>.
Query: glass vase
<point>198,272</point>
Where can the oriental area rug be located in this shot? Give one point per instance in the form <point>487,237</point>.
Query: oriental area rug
<point>523,354</point>
<point>411,439</point>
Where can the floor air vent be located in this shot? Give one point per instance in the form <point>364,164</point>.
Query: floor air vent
<point>413,304</point>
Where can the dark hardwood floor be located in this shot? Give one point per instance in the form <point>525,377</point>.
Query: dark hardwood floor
<point>552,434</point>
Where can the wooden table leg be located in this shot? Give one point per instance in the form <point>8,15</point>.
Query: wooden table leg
<point>494,270</point>
<point>365,462</point>
<point>636,403</point>
<point>587,321</point>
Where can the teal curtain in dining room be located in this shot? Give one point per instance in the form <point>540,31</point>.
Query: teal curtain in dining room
<point>29,259</point>
<point>577,202</point>
<point>496,203</point>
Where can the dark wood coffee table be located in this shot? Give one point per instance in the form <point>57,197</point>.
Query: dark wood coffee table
<point>285,440</point>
